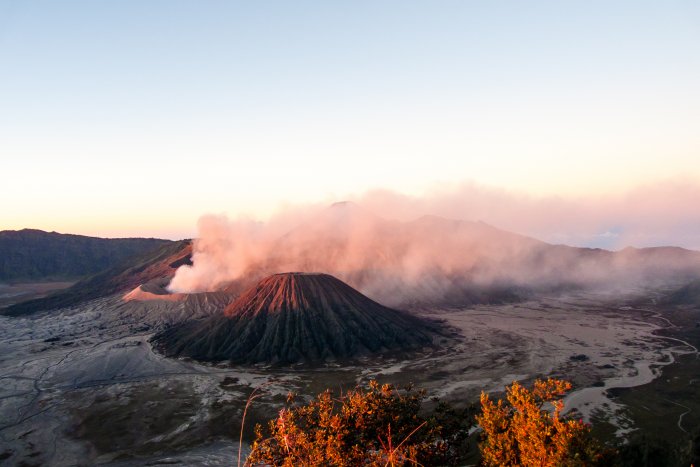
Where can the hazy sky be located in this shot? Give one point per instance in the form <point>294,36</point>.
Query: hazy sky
<point>136,117</point>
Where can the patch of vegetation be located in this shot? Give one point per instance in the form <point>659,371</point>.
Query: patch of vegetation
<point>140,421</point>
<point>387,426</point>
<point>519,431</point>
<point>643,450</point>
<point>380,425</point>
<point>662,436</point>
<point>689,294</point>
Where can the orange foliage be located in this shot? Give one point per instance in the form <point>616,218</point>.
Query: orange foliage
<point>379,426</point>
<point>520,431</point>
<point>382,426</point>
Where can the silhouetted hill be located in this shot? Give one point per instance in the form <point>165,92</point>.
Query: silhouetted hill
<point>156,264</point>
<point>297,317</point>
<point>32,255</point>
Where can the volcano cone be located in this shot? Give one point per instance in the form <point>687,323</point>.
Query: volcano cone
<point>298,317</point>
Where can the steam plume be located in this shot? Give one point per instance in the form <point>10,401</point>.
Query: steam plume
<point>399,257</point>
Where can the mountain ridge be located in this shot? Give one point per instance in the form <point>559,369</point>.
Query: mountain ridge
<point>33,254</point>
<point>151,266</point>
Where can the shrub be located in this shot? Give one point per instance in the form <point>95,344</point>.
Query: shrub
<point>382,425</point>
<point>521,431</point>
<point>377,426</point>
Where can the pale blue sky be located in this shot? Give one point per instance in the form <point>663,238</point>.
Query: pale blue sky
<point>138,116</point>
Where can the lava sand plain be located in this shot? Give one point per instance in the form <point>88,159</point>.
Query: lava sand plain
<point>82,386</point>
